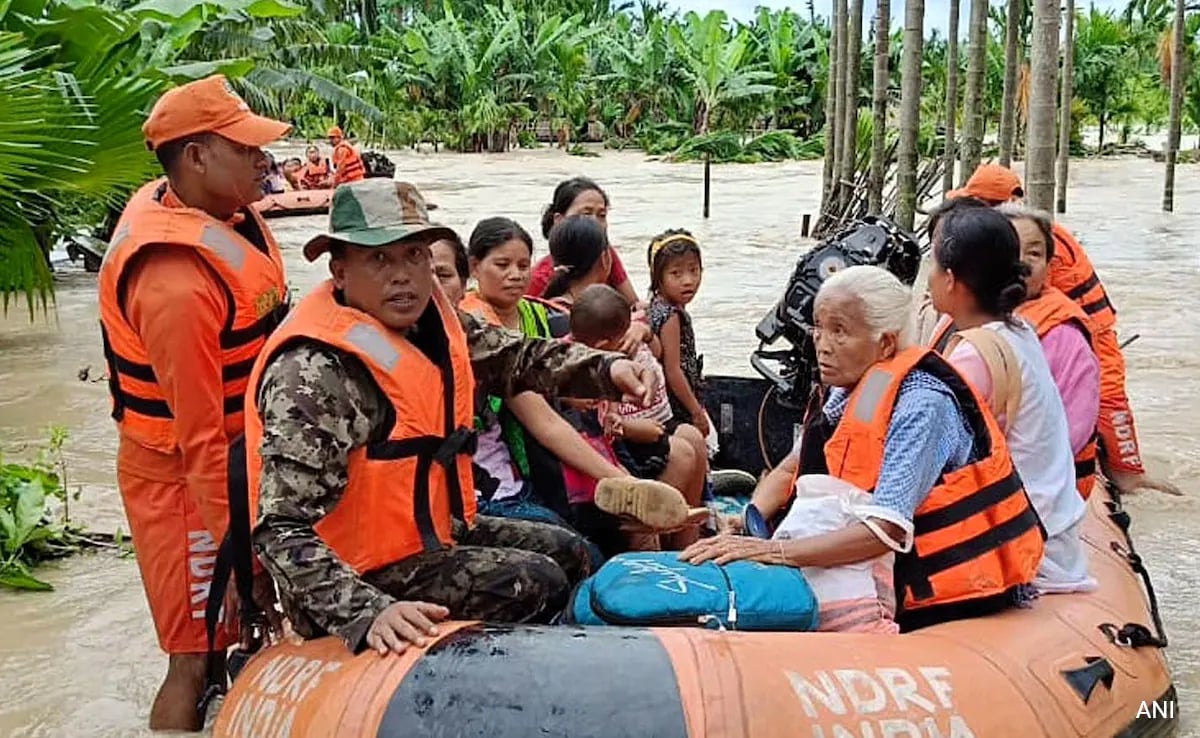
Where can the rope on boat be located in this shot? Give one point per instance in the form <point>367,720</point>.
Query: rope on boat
<point>1132,635</point>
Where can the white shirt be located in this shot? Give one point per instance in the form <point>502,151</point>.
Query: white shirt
<point>1040,445</point>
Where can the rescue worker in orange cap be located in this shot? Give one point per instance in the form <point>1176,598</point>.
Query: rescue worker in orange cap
<point>191,286</point>
<point>1071,272</point>
<point>347,164</point>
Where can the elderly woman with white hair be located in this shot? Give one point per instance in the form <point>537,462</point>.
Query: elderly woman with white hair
<point>900,423</point>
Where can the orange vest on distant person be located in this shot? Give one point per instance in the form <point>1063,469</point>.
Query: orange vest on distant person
<point>1048,311</point>
<point>403,490</point>
<point>313,176</point>
<point>349,164</point>
<point>1071,271</point>
<point>255,289</point>
<point>976,535</point>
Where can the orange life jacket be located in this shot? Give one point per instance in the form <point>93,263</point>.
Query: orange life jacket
<point>402,490</point>
<point>976,534</point>
<point>313,176</point>
<point>1071,271</point>
<point>257,300</point>
<point>1048,311</point>
<point>350,166</point>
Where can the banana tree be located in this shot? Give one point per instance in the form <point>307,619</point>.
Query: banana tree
<point>717,64</point>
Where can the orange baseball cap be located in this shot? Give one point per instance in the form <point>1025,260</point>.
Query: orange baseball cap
<point>993,183</point>
<point>335,132</point>
<point>208,106</point>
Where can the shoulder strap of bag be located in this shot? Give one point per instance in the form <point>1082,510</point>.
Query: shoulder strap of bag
<point>1002,365</point>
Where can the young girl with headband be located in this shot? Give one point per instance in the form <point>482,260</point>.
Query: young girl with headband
<point>675,273</point>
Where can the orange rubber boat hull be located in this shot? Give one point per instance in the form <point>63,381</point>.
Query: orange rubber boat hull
<point>1002,676</point>
<point>296,202</point>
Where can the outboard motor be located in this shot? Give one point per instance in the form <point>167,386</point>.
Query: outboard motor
<point>873,240</point>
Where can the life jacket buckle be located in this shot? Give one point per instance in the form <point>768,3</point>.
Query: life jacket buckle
<point>461,442</point>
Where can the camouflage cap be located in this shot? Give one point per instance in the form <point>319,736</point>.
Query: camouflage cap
<point>375,212</point>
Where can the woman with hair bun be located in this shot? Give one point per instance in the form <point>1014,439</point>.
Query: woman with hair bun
<point>977,282</point>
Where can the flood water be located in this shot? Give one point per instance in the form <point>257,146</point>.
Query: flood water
<point>83,661</point>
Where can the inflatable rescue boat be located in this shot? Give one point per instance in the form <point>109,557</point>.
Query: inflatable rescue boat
<point>296,202</point>
<point>1070,665</point>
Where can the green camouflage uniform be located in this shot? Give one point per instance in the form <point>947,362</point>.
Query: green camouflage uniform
<point>318,403</point>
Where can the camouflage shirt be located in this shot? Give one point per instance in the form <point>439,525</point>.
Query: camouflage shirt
<point>317,403</point>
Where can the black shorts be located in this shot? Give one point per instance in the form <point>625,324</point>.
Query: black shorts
<point>644,460</point>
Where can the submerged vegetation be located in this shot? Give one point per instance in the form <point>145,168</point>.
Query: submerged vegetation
<point>35,522</point>
<point>78,76</point>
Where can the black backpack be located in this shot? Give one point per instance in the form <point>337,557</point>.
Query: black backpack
<point>378,165</point>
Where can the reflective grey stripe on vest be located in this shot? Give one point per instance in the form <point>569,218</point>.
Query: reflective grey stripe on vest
<point>874,386</point>
<point>372,342</point>
<point>114,242</point>
<point>217,240</point>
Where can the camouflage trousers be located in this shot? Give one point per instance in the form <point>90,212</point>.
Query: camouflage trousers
<point>503,570</point>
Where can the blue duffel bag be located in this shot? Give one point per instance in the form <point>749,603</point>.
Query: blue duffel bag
<point>655,588</point>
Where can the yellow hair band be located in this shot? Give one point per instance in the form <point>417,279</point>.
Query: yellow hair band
<point>656,246</point>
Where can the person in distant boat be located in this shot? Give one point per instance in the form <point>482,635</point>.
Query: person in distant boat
<point>1066,335</point>
<point>359,443</point>
<point>291,172</point>
<point>191,286</point>
<point>901,423</point>
<point>1072,272</point>
<point>347,163</point>
<point>977,282</point>
<point>317,172</point>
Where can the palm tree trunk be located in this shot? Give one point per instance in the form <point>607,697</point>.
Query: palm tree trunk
<point>832,122</point>
<point>910,111</point>
<point>1043,95</point>
<point>1008,102</point>
<point>883,25</point>
<point>951,96</point>
<point>1064,115</point>
<point>853,65</point>
<point>1177,71</point>
<point>839,114</point>
<point>973,101</point>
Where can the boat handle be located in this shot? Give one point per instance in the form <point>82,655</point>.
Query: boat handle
<point>1084,679</point>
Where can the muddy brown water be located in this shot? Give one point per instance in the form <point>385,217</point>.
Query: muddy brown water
<point>83,661</point>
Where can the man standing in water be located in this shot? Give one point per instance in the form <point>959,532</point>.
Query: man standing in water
<point>191,286</point>
<point>1071,271</point>
<point>358,438</point>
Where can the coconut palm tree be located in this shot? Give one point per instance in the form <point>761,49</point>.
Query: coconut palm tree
<point>880,86</point>
<point>910,112</point>
<point>852,64</point>
<point>1065,100</point>
<point>1012,63</point>
<point>1043,93</point>
<point>1104,64</point>
<point>973,100</point>
<point>833,122</point>
<point>1175,72</point>
<point>951,96</point>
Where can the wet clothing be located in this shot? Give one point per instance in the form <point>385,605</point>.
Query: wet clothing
<point>543,272</point>
<point>177,342</point>
<point>692,363</point>
<point>318,404</point>
<point>1072,272</point>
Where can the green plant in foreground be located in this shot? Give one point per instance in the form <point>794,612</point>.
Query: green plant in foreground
<point>29,531</point>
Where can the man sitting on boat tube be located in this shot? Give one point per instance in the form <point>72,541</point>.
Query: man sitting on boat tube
<point>358,441</point>
<point>901,423</point>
